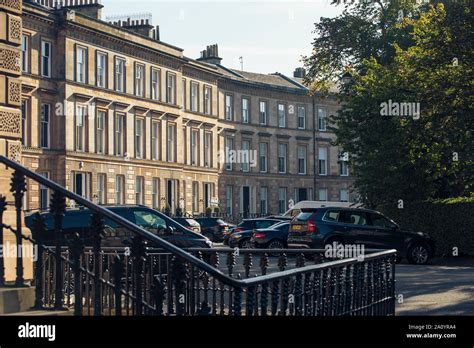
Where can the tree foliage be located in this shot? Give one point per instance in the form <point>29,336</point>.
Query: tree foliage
<point>426,58</point>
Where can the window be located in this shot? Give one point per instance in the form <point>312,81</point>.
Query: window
<point>195,197</point>
<point>139,80</point>
<point>101,132</point>
<point>139,138</point>
<point>322,160</point>
<point>101,70</point>
<point>170,148</point>
<point>25,50</point>
<point>301,117</point>
<point>183,93</point>
<point>281,200</point>
<point>381,221</point>
<point>150,221</point>
<point>281,115</point>
<point>322,113</point>
<point>101,189</point>
<point>207,100</point>
<point>301,159</point>
<point>282,149</point>
<point>344,165</point>
<point>171,88</point>
<point>228,199</point>
<point>119,138</point>
<point>323,194</point>
<point>263,154</point>
<point>119,75</point>
<point>80,128</point>
<point>245,110</point>
<point>194,147</point>
<point>264,200</point>
<point>24,122</point>
<point>344,195</point>
<point>263,113</point>
<point>246,156</point>
<point>155,84</point>
<point>229,146</point>
<point>119,189</point>
<point>155,193</point>
<point>81,64</point>
<point>229,107</point>
<point>46,59</point>
<point>353,217</point>
<point>194,97</point>
<point>155,140</point>
<point>207,149</point>
<point>44,194</point>
<point>81,184</point>
<point>44,129</point>
<point>139,192</point>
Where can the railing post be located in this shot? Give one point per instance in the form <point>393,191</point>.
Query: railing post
<point>180,273</point>
<point>76,248</point>
<point>138,254</point>
<point>159,292</point>
<point>18,188</point>
<point>97,228</point>
<point>237,302</point>
<point>57,209</point>
<point>247,264</point>
<point>3,208</point>
<point>38,230</point>
<point>118,269</point>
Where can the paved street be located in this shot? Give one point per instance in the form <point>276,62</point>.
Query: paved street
<point>439,289</point>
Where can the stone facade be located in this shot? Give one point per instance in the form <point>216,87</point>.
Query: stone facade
<point>120,117</point>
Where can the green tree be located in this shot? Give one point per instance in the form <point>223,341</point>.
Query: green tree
<point>414,158</point>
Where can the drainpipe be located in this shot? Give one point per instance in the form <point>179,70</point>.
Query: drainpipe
<point>315,120</point>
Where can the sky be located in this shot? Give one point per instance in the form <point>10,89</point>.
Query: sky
<point>270,35</point>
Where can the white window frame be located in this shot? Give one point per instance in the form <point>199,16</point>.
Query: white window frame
<point>282,198</point>
<point>101,70</point>
<point>304,157</point>
<point>194,96</point>
<point>281,115</point>
<point>139,190</point>
<point>301,117</point>
<point>171,142</point>
<point>80,128</point>
<point>323,161</point>
<point>170,88</point>
<point>119,134</point>
<point>264,200</point>
<point>325,194</point>
<point>155,193</point>
<point>120,189</point>
<point>229,199</point>
<point>44,193</point>
<point>245,110</point>
<point>139,138</point>
<point>194,147</point>
<point>155,84</point>
<point>229,107</point>
<point>228,146</point>
<point>207,149</point>
<point>207,100</point>
<point>155,140</point>
<point>346,194</point>
<point>81,64</point>
<point>120,74</point>
<point>263,154</point>
<point>139,80</point>
<point>46,56</point>
<point>101,132</point>
<point>263,112</point>
<point>101,188</point>
<point>246,152</point>
<point>45,122</point>
<point>283,156</point>
<point>322,119</point>
<point>25,49</point>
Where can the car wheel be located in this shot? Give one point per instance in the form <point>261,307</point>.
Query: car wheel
<point>246,244</point>
<point>418,254</point>
<point>276,244</point>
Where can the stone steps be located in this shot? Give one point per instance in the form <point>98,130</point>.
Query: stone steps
<point>42,313</point>
<point>16,300</point>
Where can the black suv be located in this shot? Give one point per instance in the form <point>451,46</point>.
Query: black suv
<point>213,228</point>
<point>78,221</point>
<point>316,228</point>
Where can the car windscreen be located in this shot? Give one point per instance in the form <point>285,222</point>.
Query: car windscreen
<point>303,216</point>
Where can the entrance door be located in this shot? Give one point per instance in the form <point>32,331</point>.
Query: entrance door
<point>246,200</point>
<point>170,194</point>
<point>302,194</point>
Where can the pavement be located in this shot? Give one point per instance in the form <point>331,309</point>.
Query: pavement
<point>445,287</point>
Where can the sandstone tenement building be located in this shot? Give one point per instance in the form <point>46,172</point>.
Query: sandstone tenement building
<point>113,113</point>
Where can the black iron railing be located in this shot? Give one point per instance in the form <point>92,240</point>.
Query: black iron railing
<point>151,276</point>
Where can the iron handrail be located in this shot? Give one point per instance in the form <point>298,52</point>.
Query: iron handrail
<point>172,248</point>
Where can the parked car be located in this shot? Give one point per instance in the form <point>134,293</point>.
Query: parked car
<point>213,228</point>
<point>189,223</point>
<point>296,209</point>
<point>78,221</point>
<point>240,236</point>
<point>274,237</point>
<point>316,228</point>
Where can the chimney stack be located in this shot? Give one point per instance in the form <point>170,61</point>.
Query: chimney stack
<point>299,73</point>
<point>210,55</point>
